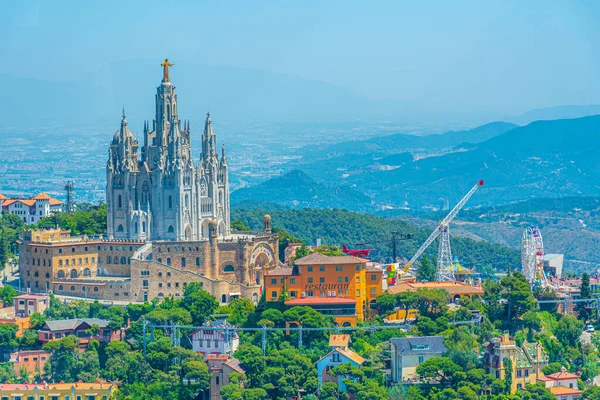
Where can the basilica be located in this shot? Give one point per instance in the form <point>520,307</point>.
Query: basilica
<point>160,193</point>
<point>167,224</point>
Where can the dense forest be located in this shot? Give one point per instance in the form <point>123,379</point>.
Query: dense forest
<point>337,227</point>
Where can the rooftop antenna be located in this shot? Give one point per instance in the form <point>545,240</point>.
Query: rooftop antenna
<point>69,190</point>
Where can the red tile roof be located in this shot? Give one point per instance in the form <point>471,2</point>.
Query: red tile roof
<point>41,196</point>
<point>564,391</point>
<point>319,300</point>
<point>279,272</point>
<point>453,288</point>
<point>320,259</point>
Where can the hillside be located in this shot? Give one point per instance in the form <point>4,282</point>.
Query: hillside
<point>297,190</point>
<point>336,227</point>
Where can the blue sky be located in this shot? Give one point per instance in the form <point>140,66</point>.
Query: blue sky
<point>507,56</point>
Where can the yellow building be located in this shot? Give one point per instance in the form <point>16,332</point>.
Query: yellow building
<point>409,352</point>
<point>527,361</point>
<point>58,391</point>
<point>341,286</point>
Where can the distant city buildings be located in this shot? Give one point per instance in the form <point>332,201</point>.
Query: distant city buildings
<point>32,209</point>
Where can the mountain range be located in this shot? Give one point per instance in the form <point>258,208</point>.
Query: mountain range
<point>551,158</point>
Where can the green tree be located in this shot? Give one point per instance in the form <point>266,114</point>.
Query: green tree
<point>508,374</point>
<point>238,225</point>
<point>585,289</point>
<point>426,270</point>
<point>200,304</point>
<point>408,301</point>
<point>568,331</point>
<point>441,368</point>
<point>591,393</point>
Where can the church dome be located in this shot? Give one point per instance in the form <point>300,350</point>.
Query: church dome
<point>267,218</point>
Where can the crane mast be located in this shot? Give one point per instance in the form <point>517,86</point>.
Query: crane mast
<point>444,270</point>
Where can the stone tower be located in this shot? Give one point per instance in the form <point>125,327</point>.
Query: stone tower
<point>161,194</point>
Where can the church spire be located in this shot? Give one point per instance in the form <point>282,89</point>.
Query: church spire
<point>209,141</point>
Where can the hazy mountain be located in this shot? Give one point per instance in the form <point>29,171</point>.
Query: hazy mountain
<point>543,159</point>
<point>558,112</point>
<point>297,190</point>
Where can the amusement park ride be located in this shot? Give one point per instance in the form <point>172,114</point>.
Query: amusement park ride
<point>362,253</point>
<point>445,266</point>
<point>532,257</point>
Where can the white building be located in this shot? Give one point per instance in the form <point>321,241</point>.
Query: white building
<point>156,191</point>
<point>33,209</point>
<point>213,341</point>
<point>553,264</point>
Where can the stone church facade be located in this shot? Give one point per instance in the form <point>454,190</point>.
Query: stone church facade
<point>158,192</point>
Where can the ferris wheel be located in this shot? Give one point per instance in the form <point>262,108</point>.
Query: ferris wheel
<point>532,256</point>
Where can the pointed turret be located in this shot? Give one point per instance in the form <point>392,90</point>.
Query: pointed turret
<point>209,142</point>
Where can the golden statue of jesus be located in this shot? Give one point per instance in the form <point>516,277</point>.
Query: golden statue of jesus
<point>166,64</point>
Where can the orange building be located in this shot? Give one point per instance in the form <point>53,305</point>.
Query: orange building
<point>341,286</point>
<point>32,360</point>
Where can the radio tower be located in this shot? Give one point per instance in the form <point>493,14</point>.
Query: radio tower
<point>69,190</point>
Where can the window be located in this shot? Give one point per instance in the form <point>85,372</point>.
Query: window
<point>95,288</point>
<point>145,283</point>
<point>72,288</point>
<point>147,273</point>
<point>518,373</point>
<point>274,281</point>
<point>526,373</point>
<point>182,261</point>
<point>292,280</point>
<point>309,268</point>
<point>309,280</point>
<point>171,230</point>
<point>170,202</point>
<point>322,268</point>
<point>346,279</point>
<point>168,261</point>
<point>358,279</point>
<point>373,290</point>
<point>160,261</point>
<point>338,268</point>
<point>217,380</point>
<point>60,263</point>
<point>60,287</point>
<point>229,268</point>
<point>274,294</point>
<point>197,261</point>
<point>119,202</point>
<point>357,292</point>
<point>420,359</point>
<point>335,357</point>
<point>123,260</point>
<point>373,277</point>
<point>168,284</point>
<point>339,279</point>
<point>321,280</point>
<point>168,274</point>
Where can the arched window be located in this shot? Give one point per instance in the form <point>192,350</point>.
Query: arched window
<point>86,272</point>
<point>60,287</point>
<point>73,273</point>
<point>168,261</point>
<point>160,294</point>
<point>171,230</point>
<point>120,228</point>
<point>72,288</point>
<point>217,380</point>
<point>223,298</point>
<point>119,202</point>
<point>143,227</point>
<point>170,202</point>
<point>60,263</point>
<point>229,268</point>
<point>197,261</point>
<point>182,261</point>
<point>108,259</point>
<point>61,274</point>
<point>160,274</point>
<point>159,260</point>
<point>47,274</point>
<point>36,273</point>
<point>123,260</point>
<point>95,288</point>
